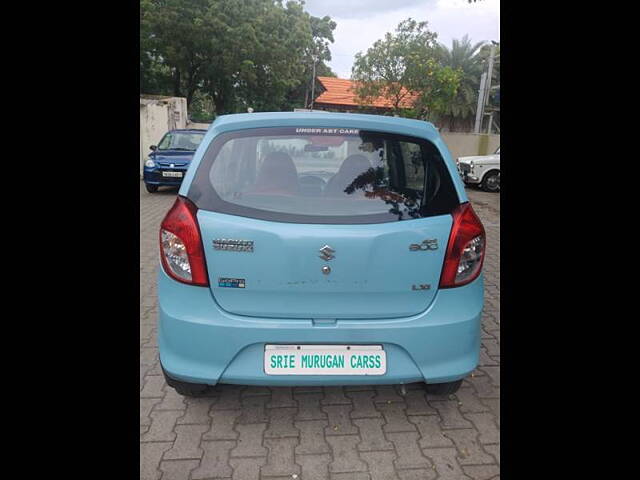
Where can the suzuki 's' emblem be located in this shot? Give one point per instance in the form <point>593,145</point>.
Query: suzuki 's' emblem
<point>172,165</point>
<point>327,253</point>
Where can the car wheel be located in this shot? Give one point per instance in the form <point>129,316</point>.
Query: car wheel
<point>151,188</point>
<point>491,182</point>
<point>186,389</point>
<point>443,388</point>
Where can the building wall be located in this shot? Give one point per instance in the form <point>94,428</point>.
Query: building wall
<point>201,126</point>
<point>157,116</point>
<point>469,144</point>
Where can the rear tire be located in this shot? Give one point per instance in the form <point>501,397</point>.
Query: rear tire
<point>491,182</point>
<point>151,188</point>
<point>443,388</point>
<point>186,389</point>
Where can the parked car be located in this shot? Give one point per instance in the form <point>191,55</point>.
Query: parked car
<point>169,160</point>
<point>481,170</point>
<point>320,249</point>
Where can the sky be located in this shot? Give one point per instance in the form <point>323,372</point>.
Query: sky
<point>362,22</point>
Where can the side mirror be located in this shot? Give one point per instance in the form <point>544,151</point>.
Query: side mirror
<point>153,147</point>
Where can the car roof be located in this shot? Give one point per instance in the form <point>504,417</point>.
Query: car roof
<point>239,121</point>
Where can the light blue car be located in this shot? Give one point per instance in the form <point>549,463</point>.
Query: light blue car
<point>320,249</point>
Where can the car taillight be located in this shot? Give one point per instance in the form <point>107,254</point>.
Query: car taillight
<point>465,250</point>
<point>181,248</point>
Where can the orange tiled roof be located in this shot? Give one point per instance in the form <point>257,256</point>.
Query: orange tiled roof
<point>339,91</point>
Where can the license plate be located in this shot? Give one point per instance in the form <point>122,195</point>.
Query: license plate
<point>324,360</point>
<point>172,174</point>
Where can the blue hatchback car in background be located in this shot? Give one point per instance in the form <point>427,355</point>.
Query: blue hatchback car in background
<point>320,249</point>
<point>169,160</point>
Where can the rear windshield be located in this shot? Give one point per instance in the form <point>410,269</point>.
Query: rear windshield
<point>323,175</point>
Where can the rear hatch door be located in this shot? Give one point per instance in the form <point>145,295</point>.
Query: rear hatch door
<point>376,271</point>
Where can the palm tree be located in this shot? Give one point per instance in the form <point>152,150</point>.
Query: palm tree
<point>463,56</point>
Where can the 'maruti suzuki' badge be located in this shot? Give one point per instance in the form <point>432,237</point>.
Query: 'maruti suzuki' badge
<point>233,245</point>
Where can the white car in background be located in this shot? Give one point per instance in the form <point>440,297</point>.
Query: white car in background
<point>481,170</point>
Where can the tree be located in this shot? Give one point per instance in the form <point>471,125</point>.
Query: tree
<point>404,69</point>
<point>231,53</point>
<point>464,57</point>
<point>174,35</point>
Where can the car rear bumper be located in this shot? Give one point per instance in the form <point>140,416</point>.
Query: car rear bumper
<point>201,343</point>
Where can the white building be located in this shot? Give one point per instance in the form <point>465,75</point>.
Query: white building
<point>159,114</point>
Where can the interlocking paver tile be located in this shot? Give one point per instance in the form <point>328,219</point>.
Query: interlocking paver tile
<point>146,404</point>
<point>246,468</point>
<point>162,425</point>
<point>215,461</point>
<point>250,441</point>
<point>335,396</point>
<point>350,476</point>
<point>339,420</point>
<point>222,425</point>
<point>493,450</point>
<point>483,422</point>
<point>430,433</point>
<point>409,454</point>
<point>445,463</point>
<point>417,474</point>
<point>257,432</point>
<point>153,387</point>
<point>450,413</point>
<point>228,399</point>
<point>253,409</point>
<point>280,460</point>
<point>312,438</point>
<point>483,386</point>
<point>345,455</point>
<point>178,469</point>
<point>386,394</point>
<point>197,411</point>
<point>380,465</point>
<point>469,448</point>
<point>371,434</point>
<point>417,403</point>
<point>363,406</point>
<point>314,467</point>
<point>150,455</point>
<point>281,397</point>
<point>187,444</point>
<point>494,407</point>
<point>482,472</point>
<point>309,406</point>
<point>281,423</point>
<point>494,374</point>
<point>396,418</point>
<point>468,401</point>
<point>172,401</point>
